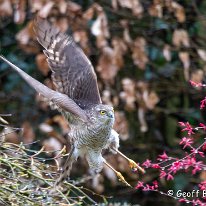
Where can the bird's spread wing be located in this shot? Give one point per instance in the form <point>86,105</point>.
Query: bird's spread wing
<point>61,100</point>
<point>72,72</point>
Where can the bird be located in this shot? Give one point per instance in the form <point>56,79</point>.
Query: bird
<point>77,97</point>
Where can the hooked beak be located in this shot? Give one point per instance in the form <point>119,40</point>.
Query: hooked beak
<point>110,115</point>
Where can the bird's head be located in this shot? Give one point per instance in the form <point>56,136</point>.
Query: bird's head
<point>103,114</point>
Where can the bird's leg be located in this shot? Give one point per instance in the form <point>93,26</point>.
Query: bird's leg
<point>119,175</point>
<point>133,165</point>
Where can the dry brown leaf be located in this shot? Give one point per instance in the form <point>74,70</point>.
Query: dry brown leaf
<point>73,7</point>
<point>168,4</point>
<point>52,144</point>
<point>115,4</point>
<point>128,95</point>
<point>139,55</point>
<point>28,133</point>
<point>89,13</point>
<point>61,121</point>
<point>46,128</point>
<point>42,64</point>
<point>111,176</point>
<point>9,135</point>
<point>19,11</point>
<point>167,52</point>
<point>121,125</point>
<point>142,120</point>
<point>36,5</point>
<point>62,5</point>
<point>120,48</point>
<point>46,9</point>
<point>62,24</point>
<point>26,34</point>
<point>101,42</point>
<point>179,11</point>
<point>111,60</point>
<point>42,102</point>
<point>122,166</point>
<point>81,37</point>
<point>106,97</point>
<point>5,8</point>
<point>134,5</point>
<point>27,39</point>
<point>181,38</point>
<point>97,183</point>
<point>106,65</point>
<point>202,54</point>
<point>146,98</point>
<point>197,76</point>
<point>126,35</point>
<point>185,59</point>
<point>151,99</point>
<point>203,175</point>
<point>156,9</point>
<point>100,26</point>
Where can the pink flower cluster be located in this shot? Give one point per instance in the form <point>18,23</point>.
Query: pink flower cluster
<point>191,162</point>
<point>168,166</point>
<point>203,102</point>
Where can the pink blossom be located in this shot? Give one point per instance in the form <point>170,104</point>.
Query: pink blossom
<point>175,167</point>
<point>203,125</point>
<point>155,166</point>
<point>194,84</point>
<point>170,177</point>
<point>198,202</point>
<point>182,124</point>
<point>197,167</point>
<point>146,188</point>
<point>162,157</point>
<point>155,184</point>
<point>182,200</point>
<point>139,185</point>
<point>203,103</point>
<point>188,128</point>
<point>193,150</point>
<point>162,174</point>
<point>147,163</point>
<point>186,141</point>
<point>202,185</point>
<point>204,147</point>
<point>189,162</point>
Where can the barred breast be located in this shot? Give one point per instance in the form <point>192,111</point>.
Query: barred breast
<point>90,136</point>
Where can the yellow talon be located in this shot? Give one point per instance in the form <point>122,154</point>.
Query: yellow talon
<point>121,178</point>
<point>119,175</point>
<point>134,166</point>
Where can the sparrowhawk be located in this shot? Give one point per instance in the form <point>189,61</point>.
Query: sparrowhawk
<point>77,98</point>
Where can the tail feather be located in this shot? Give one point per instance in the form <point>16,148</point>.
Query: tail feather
<point>66,168</point>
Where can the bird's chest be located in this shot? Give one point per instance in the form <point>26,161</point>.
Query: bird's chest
<point>92,137</point>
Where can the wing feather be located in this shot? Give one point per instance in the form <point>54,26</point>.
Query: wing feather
<point>72,72</point>
<point>59,99</point>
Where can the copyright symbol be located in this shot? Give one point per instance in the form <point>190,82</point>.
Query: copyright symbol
<point>170,192</point>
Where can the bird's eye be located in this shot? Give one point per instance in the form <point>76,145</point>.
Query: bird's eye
<point>102,112</point>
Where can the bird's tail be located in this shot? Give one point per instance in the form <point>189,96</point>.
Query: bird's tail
<point>66,168</point>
